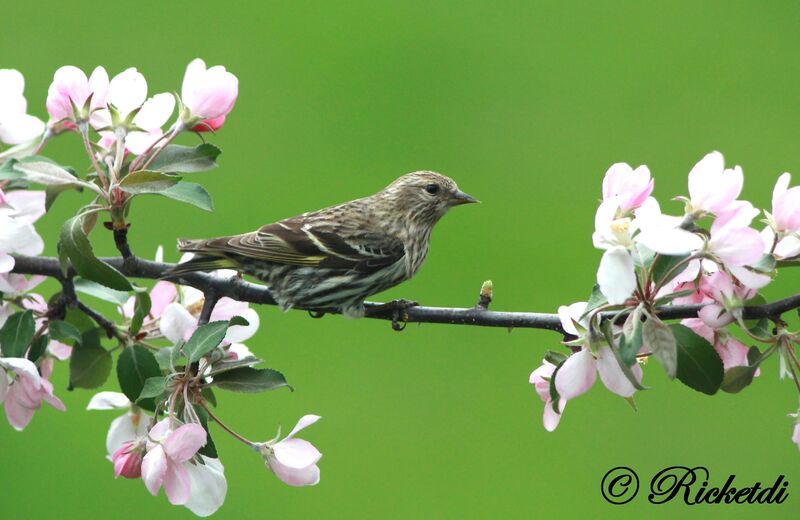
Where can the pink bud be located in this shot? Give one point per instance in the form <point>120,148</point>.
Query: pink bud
<point>127,461</point>
<point>208,94</point>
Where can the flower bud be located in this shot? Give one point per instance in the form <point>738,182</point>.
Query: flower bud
<point>128,461</point>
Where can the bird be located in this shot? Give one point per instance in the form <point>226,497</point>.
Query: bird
<point>336,257</point>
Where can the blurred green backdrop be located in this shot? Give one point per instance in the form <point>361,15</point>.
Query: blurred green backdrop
<point>525,104</point>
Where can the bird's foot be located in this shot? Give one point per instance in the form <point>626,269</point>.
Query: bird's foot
<point>397,309</point>
<point>316,314</point>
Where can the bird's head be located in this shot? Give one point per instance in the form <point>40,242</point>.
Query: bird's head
<point>424,197</point>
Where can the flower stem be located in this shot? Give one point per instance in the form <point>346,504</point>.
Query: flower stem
<point>222,425</point>
<point>85,135</point>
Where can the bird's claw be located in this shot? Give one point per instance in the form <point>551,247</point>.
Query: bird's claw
<point>316,314</point>
<point>398,310</point>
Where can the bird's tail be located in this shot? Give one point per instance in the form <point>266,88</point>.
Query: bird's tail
<point>207,258</point>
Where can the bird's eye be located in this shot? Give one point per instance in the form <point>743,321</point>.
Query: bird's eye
<point>433,189</point>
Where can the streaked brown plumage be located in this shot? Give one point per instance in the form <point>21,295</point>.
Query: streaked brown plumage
<point>338,256</point>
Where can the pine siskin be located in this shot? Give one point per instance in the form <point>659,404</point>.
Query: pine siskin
<point>338,256</point>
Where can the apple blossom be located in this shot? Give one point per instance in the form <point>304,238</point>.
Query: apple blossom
<point>628,187</point>
<point>16,125</point>
<point>579,371</point>
<point>208,95</point>
<point>786,205</point>
<point>26,391</point>
<point>167,449</point>
<point>71,87</point>
<point>129,427</point>
<point>712,188</point>
<point>179,321</point>
<point>294,461</point>
<point>540,379</point>
<point>17,235</point>
<point>728,299</point>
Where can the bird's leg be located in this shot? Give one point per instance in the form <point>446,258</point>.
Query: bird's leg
<point>397,308</point>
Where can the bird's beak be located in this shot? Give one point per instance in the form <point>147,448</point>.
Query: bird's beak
<point>459,197</point>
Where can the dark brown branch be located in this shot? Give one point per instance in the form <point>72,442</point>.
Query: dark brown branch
<point>238,289</point>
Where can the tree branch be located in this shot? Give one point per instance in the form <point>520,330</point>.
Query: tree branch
<point>238,289</point>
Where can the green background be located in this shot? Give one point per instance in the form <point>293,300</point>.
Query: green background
<point>524,104</point>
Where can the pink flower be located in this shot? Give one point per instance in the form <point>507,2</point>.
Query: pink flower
<point>26,391</point>
<point>127,428</point>
<point>20,210</point>
<point>16,125</point>
<point>728,299</point>
<point>540,379</point>
<point>127,92</point>
<point>294,461</point>
<point>128,461</point>
<point>208,94</point>
<point>167,450</point>
<point>71,87</point>
<point>579,371</point>
<point>712,188</point>
<point>178,323</point>
<point>786,205</point>
<point>629,187</point>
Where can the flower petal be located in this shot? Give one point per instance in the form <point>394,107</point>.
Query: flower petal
<point>183,442</point>
<point>550,418</point>
<point>304,422</point>
<point>207,488</point>
<point>296,453</point>
<point>611,373</point>
<point>670,241</point>
<point>576,375</point>
<point>154,469</point>
<point>176,484</point>
<point>177,323</point>
<point>108,401</point>
<point>308,476</point>
<point>616,275</point>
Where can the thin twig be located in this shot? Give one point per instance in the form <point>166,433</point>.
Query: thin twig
<point>210,300</point>
<point>240,290</point>
<point>105,324</point>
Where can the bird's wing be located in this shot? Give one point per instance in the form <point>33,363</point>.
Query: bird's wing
<point>310,242</point>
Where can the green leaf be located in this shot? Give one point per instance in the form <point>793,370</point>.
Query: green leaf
<point>766,264</point>
<point>659,339</point>
<point>554,357</point>
<point>630,341</point>
<point>63,331</point>
<point>17,333</point>
<point>760,328</point>
<point>147,182</point>
<point>48,173</point>
<point>225,364</point>
<point>699,365</point>
<point>101,292</point>
<point>190,193</point>
<point>607,329</point>
<point>643,256</point>
<point>141,309</point>
<point>737,379</point>
<point>52,192</point>
<point>38,348</point>
<point>8,173</point>
<point>662,266</point>
<point>555,398</point>
<point>136,365</point>
<point>89,366</point>
<point>209,450</point>
<point>596,299</point>
<point>205,339</point>
<point>75,244</point>
<point>208,395</point>
<point>186,159</point>
<point>153,388</point>
<point>250,380</point>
